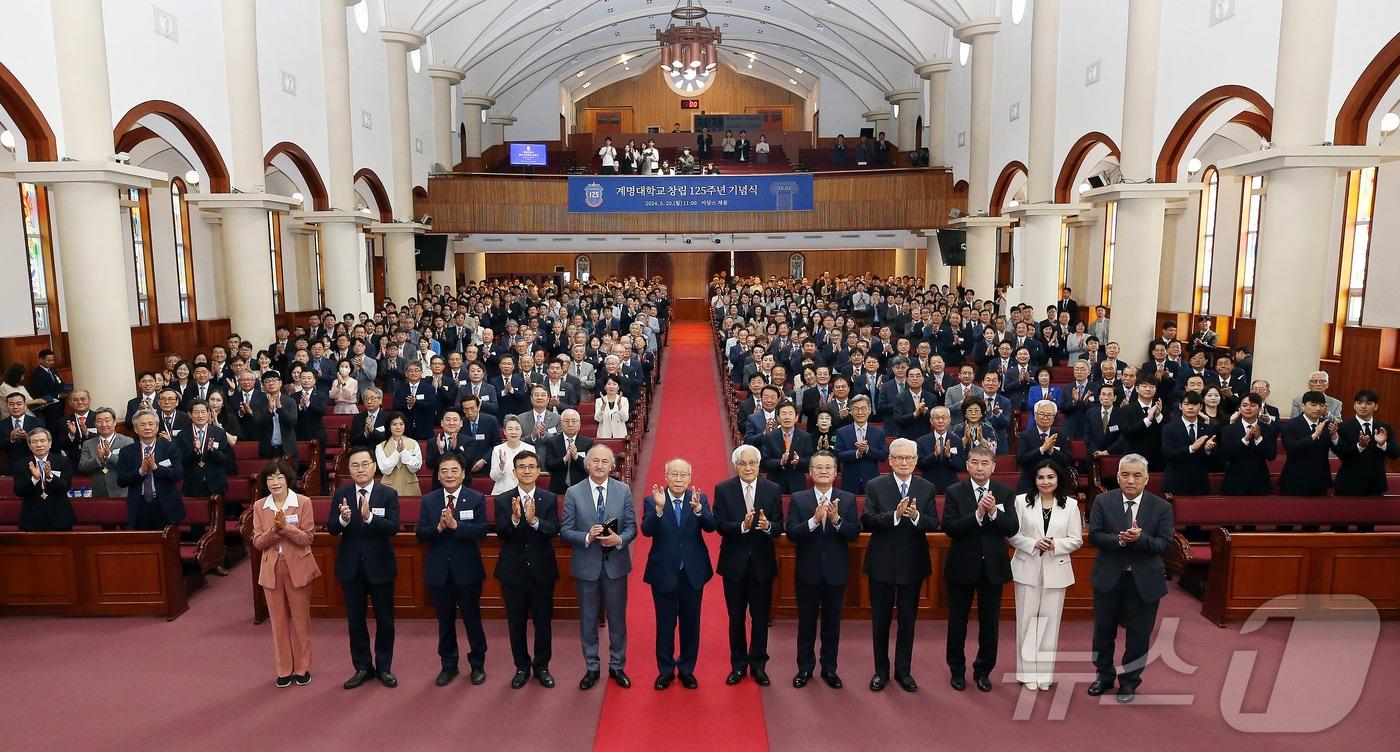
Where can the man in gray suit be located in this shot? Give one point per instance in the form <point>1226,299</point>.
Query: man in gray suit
<point>539,422</point>
<point>1317,382</point>
<point>600,525</point>
<point>99,455</point>
<point>581,369</point>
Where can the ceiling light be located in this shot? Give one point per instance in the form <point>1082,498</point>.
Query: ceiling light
<point>1013,203</point>
<point>579,74</point>
<point>1193,167</point>
<point>297,197</point>
<point>1084,188</point>
<point>192,177</point>
<point>587,84</point>
<point>799,71</point>
<point>7,139</point>
<point>792,81</point>
<point>627,67</point>
<point>1389,122</point>
<point>688,46</point>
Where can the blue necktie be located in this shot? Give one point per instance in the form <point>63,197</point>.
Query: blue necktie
<point>676,507</point>
<point>601,503</point>
<point>903,490</point>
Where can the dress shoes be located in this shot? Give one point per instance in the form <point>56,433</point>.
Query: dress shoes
<point>735,676</point>
<point>445,677</point>
<point>760,677</point>
<point>1032,686</point>
<point>983,683</point>
<point>478,676</point>
<point>1043,686</point>
<point>284,681</point>
<point>663,681</point>
<point>521,676</point>
<point>688,681</point>
<point>831,679</point>
<point>877,683</point>
<point>388,679</point>
<point>800,681</point>
<point>907,683</point>
<point>1099,686</point>
<point>620,676</point>
<point>543,677</point>
<point>1126,695</point>
<point>302,679</point>
<point>359,678</point>
<point>958,683</point>
<point>589,679</point>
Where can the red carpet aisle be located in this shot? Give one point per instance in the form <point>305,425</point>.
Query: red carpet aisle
<point>715,716</point>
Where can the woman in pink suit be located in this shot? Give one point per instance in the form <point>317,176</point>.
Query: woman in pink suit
<point>282,530</point>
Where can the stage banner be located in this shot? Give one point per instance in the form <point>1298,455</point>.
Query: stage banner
<point>690,193</point>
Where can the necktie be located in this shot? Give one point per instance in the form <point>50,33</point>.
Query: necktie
<point>148,486</point>
<point>451,441</point>
<point>204,392</point>
<point>364,496</point>
<point>43,475</point>
<point>676,509</point>
<point>199,440</point>
<point>82,425</point>
<point>1131,516</point>
<point>472,428</point>
<point>903,489</point>
<point>748,498</point>
<point>1366,428</point>
<point>1191,432</point>
<point>452,503</point>
<point>787,442</point>
<point>823,393</point>
<point>980,493</point>
<point>1105,420</point>
<point>601,503</point>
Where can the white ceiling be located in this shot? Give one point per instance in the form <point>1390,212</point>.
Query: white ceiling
<point>509,48</point>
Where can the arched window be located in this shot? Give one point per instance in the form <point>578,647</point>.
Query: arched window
<point>797,266</point>
<point>274,250</point>
<point>1110,239</point>
<point>1251,215</point>
<point>34,207</point>
<point>184,255</point>
<point>139,223</point>
<point>1064,254</point>
<point>1356,245</point>
<point>1205,243</point>
<point>315,240</point>
<point>583,268</point>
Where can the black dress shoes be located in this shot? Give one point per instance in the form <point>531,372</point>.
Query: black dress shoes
<point>388,679</point>
<point>359,678</point>
<point>620,676</point>
<point>446,676</point>
<point>907,683</point>
<point>800,681</point>
<point>958,683</point>
<point>761,678</point>
<point>688,681</point>
<point>302,679</point>
<point>831,679</point>
<point>1099,686</point>
<point>1126,695</point>
<point>983,683</point>
<point>589,679</point>
<point>478,676</point>
<point>543,677</point>
<point>877,683</point>
<point>663,681</point>
<point>284,681</point>
<point>521,676</point>
<point>735,676</point>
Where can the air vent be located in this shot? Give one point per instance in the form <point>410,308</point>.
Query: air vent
<point>597,240</point>
<point>492,240</point>
<point>811,237</point>
<point>633,240</point>
<point>528,240</point>
<point>885,235</point>
<point>562,240</point>
<point>849,237</point>
<point>776,237</point>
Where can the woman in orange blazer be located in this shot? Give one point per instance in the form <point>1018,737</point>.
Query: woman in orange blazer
<point>282,530</point>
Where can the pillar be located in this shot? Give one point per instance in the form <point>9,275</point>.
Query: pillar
<point>341,263</point>
<point>905,131</point>
<point>936,71</point>
<point>341,255</point>
<point>1039,246</point>
<point>87,215</point>
<point>473,106</point>
<point>443,79</point>
<point>474,266</point>
<point>879,120</point>
<point>906,262</point>
<point>399,273</point>
<point>448,276</point>
<point>498,124</point>
<point>980,272</point>
<point>1297,220</point>
<point>935,273</point>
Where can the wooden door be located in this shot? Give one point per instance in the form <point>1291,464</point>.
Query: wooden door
<point>776,118</point>
<point>607,121</point>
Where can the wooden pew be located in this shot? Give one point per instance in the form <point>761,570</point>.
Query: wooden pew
<point>1252,569</point>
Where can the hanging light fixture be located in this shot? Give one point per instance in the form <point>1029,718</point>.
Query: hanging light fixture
<point>689,60</point>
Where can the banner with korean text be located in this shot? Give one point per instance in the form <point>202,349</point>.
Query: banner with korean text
<point>690,193</point>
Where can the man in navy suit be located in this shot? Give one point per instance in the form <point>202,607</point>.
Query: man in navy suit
<point>860,447</point>
<point>821,523</point>
<point>786,450</point>
<point>206,455</point>
<point>748,515</point>
<point>14,430</point>
<point>1103,431</point>
<point>1308,439</point>
<point>940,457</point>
<point>563,453</point>
<point>368,428</point>
<point>527,520</point>
<point>416,399</point>
<point>765,415</point>
<point>151,471</point>
<point>1248,445</point>
<point>475,384</point>
<point>481,435</point>
<point>366,516</point>
<point>1188,449</point>
<point>450,522</point>
<point>1131,530</point>
<point>1041,442</point>
<point>46,384</point>
<point>678,567</point>
<point>510,386</point>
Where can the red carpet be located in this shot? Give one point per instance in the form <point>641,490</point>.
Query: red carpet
<point>715,716</point>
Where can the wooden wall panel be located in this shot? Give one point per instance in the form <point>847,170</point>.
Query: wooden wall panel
<point>871,200</point>
<point>653,103</point>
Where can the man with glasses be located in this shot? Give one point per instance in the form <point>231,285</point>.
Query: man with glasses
<point>821,524</point>
<point>451,521</point>
<point>1041,442</point>
<point>527,519</point>
<point>678,566</point>
<point>366,516</point>
<point>748,515</point>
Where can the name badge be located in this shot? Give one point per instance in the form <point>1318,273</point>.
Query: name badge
<point>54,473</point>
<point>379,428</point>
<point>551,430</point>
<point>485,398</point>
<point>1111,429</point>
<point>294,519</point>
<point>466,514</point>
<point>377,511</point>
<point>481,437</point>
<point>165,463</point>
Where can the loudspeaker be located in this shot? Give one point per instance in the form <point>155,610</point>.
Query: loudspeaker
<point>429,253</point>
<point>952,247</point>
<point>1096,181</point>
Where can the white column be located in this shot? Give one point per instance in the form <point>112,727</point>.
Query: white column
<point>443,79</point>
<point>980,272</point>
<point>906,262</point>
<point>1039,283</point>
<point>87,215</point>
<point>499,123</point>
<point>448,276</point>
<point>1140,92</point>
<point>341,256</point>
<point>399,274</point>
<point>936,71</point>
<point>935,273</point>
<point>879,120</point>
<point>905,125</point>
<point>474,266</point>
<point>1291,299</point>
<point>1039,240</point>
<point>472,108</point>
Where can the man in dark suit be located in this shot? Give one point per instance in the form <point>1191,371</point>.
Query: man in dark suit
<point>748,516</point>
<point>978,518</point>
<point>527,520</point>
<point>45,384</point>
<point>1308,439</point>
<point>563,453</point>
<point>416,399</point>
<point>1068,305</point>
<point>1248,445</point>
<point>451,521</point>
<point>145,398</point>
<point>821,524</point>
<point>150,470</point>
<point>475,384</point>
<point>860,447</point>
<point>202,386</point>
<point>366,516</point>
<point>369,428</point>
<point>1188,450</point>
<point>172,420</point>
<point>448,442</point>
<point>14,430</point>
<point>206,456</point>
<point>678,566</point>
<point>1140,423</point>
<point>42,484</point>
<point>912,406</point>
<point>899,511</point>
<point>940,457</point>
<point>1131,530</point>
<point>1103,429</point>
<point>786,451</point>
<point>274,419</point>
<point>312,400</point>
<point>1040,442</point>
<point>1364,445</point>
<point>511,388</point>
<point>482,434</point>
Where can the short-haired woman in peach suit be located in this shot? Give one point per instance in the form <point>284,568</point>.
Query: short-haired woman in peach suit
<point>282,530</point>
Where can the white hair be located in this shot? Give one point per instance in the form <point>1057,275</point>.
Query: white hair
<point>1051,403</point>
<point>743,449</point>
<point>1320,375</point>
<point>903,443</point>
<point>1133,459</point>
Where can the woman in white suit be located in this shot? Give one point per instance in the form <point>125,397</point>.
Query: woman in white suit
<point>1050,530</point>
<point>610,411</point>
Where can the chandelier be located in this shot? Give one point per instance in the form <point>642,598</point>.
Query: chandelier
<point>689,60</point>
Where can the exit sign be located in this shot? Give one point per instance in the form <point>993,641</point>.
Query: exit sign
<point>690,104</point>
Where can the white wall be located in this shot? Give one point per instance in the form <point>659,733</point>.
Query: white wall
<point>15,317</point>
<point>1010,140</point>
<point>369,91</point>
<point>1090,31</point>
<point>537,116</point>
<point>27,50</point>
<point>1382,306</point>
<point>289,39</point>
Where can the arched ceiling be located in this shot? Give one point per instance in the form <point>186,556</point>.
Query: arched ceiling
<point>509,48</point>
